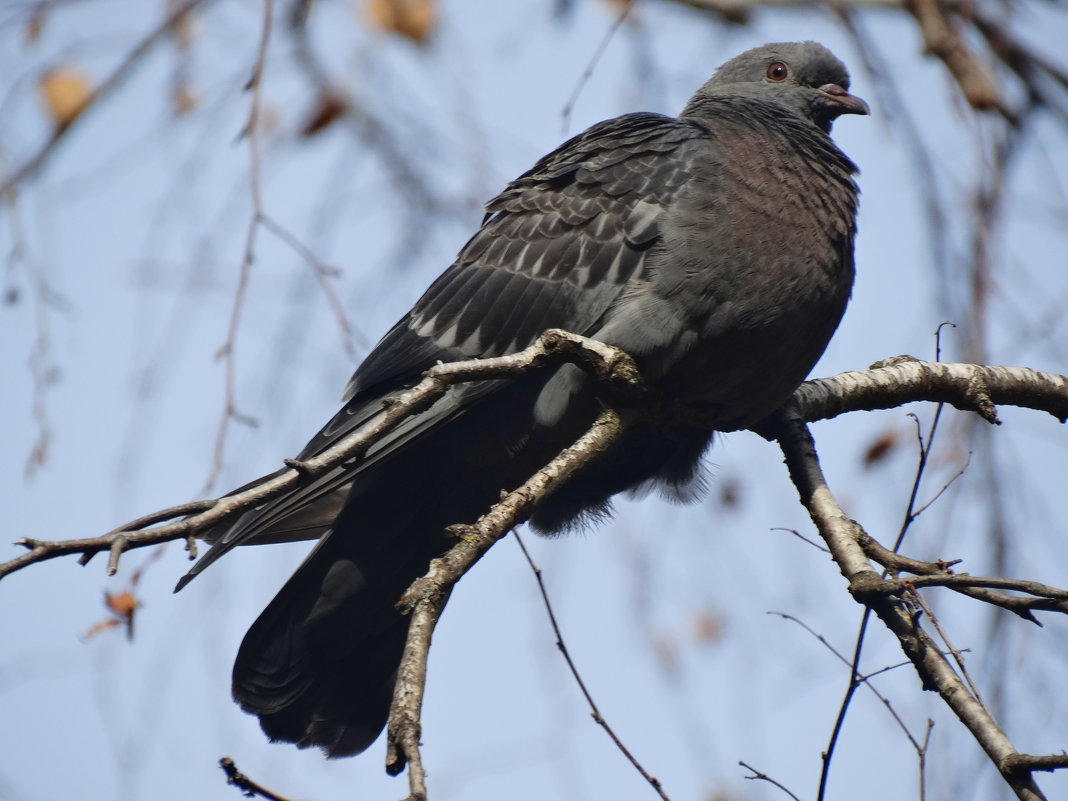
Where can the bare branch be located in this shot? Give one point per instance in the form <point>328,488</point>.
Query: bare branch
<point>597,716</point>
<point>968,386</point>
<point>247,786</point>
<point>1027,762</point>
<point>938,574</point>
<point>842,536</point>
<point>426,597</point>
<point>760,776</point>
<point>958,656</point>
<point>587,73</point>
<point>857,677</point>
<point>904,379</point>
<point>943,39</point>
<point>323,276</point>
<point>613,368</point>
<point>226,351</point>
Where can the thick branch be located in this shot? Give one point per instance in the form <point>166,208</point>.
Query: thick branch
<point>843,536</point>
<point>901,380</point>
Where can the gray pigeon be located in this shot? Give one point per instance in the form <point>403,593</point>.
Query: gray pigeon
<point>716,248</point>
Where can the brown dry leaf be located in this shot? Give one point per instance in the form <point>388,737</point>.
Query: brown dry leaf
<point>123,605</point>
<point>328,110</point>
<point>64,91</point>
<point>183,98</point>
<point>415,19</point>
<point>103,625</point>
<point>707,627</point>
<point>881,448</point>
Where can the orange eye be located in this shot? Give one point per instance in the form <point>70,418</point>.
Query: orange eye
<point>777,72</point>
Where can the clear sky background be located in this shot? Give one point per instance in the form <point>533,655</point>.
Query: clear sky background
<point>137,225</point>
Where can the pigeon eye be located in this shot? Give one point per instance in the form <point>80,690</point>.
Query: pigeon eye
<point>777,72</point>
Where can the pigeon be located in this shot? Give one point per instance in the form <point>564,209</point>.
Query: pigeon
<point>716,248</point>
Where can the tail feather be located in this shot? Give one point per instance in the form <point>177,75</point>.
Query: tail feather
<point>319,664</point>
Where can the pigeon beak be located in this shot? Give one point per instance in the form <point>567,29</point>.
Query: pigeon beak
<point>841,102</point>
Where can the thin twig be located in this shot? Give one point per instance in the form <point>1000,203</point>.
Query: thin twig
<point>43,368</point>
<point>958,657</point>
<point>760,776</point>
<point>922,755</point>
<point>226,351</point>
<point>859,679</point>
<point>323,276</point>
<point>942,490</point>
<point>801,537</point>
<point>587,73</point>
<point>931,574</point>
<point>597,716</point>
<point>246,785</point>
<point>827,756</point>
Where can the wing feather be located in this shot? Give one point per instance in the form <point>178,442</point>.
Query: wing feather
<point>557,249</point>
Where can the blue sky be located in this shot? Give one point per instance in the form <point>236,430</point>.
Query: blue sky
<point>138,222</point>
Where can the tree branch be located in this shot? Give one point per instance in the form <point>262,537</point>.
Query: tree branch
<point>890,384</point>
<point>843,537</point>
<point>932,574</point>
<point>426,598</point>
<point>610,366</point>
<point>887,384</point>
<point>903,379</point>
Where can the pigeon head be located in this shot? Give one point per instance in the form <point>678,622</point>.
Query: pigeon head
<point>805,77</point>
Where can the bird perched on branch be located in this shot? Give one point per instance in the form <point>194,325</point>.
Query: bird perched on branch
<point>715,247</point>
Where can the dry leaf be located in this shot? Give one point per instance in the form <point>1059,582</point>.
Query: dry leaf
<point>328,110</point>
<point>183,98</point>
<point>123,605</point>
<point>65,91</point>
<point>881,448</point>
<point>412,18</point>
<point>707,627</point>
<point>103,625</point>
